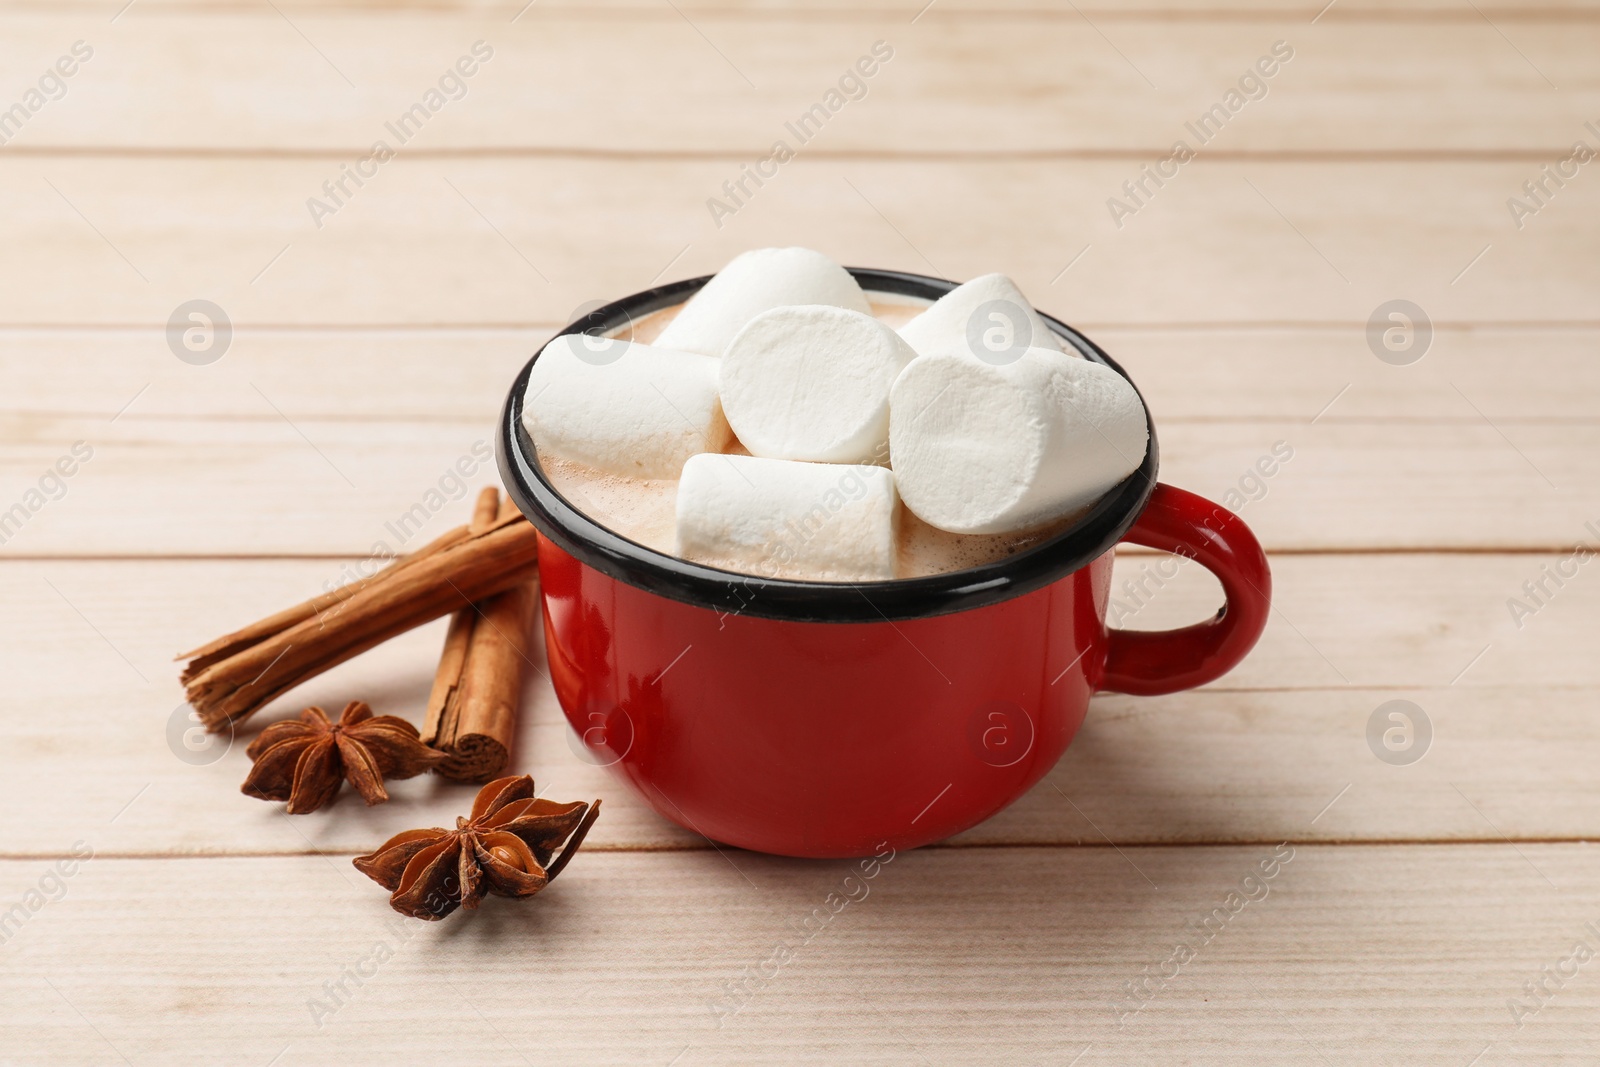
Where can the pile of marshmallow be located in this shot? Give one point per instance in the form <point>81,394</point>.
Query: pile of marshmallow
<point>971,414</point>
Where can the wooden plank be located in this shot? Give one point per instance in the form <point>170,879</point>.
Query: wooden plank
<point>394,375</point>
<point>569,80</point>
<point>458,375</point>
<point>1408,952</point>
<point>495,242</point>
<point>1268,373</point>
<point>1253,758</point>
<point>1112,10</point>
<point>284,483</point>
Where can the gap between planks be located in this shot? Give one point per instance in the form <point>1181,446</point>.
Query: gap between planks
<point>1142,154</point>
<point>1122,548</point>
<point>937,846</point>
<point>1085,325</point>
<point>411,418</point>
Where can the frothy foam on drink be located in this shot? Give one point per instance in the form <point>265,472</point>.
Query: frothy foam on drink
<point>643,509</point>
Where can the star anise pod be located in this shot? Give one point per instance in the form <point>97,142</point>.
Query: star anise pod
<point>504,847</point>
<point>304,760</point>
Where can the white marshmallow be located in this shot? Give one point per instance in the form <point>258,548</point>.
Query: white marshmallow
<point>988,317</point>
<point>980,448</point>
<point>812,383</point>
<point>754,282</point>
<point>626,408</point>
<point>821,521</point>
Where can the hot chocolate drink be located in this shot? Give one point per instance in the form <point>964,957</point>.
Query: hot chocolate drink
<point>643,509</point>
<point>785,423</point>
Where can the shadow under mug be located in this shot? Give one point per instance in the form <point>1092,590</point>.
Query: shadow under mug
<point>832,720</point>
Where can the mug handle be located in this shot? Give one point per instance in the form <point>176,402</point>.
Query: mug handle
<point>1146,663</point>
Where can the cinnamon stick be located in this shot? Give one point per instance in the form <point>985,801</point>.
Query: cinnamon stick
<point>231,678</point>
<point>485,510</point>
<point>477,690</point>
<point>479,720</point>
<point>227,645</point>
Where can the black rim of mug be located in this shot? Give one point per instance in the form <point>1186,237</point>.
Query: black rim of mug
<point>731,593</point>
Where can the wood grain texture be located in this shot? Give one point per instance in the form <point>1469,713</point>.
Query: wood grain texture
<point>573,81</point>
<point>1255,757</point>
<point>283,483</point>
<point>1223,373</point>
<point>498,242</point>
<point>1352,955</point>
<point>970,10</point>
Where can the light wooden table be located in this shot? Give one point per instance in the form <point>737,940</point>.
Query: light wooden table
<point>1422,901</point>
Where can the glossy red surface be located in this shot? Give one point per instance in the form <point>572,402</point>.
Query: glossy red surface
<point>833,739</point>
<point>1146,664</point>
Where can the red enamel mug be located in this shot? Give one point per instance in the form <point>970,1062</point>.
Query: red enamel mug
<point>831,720</point>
